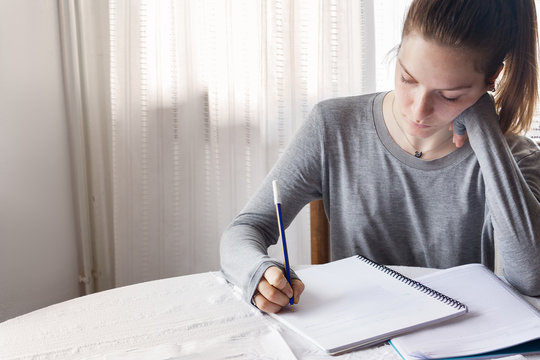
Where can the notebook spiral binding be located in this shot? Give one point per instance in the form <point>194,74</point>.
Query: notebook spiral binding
<point>415,284</point>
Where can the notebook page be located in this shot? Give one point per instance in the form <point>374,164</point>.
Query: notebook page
<point>497,317</point>
<point>350,302</point>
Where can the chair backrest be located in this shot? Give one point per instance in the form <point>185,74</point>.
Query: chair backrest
<point>320,233</point>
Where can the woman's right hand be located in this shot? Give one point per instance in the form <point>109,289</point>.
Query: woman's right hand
<point>274,291</point>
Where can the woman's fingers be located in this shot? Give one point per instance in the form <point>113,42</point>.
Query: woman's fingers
<point>275,277</point>
<point>274,291</point>
<point>458,139</point>
<point>264,304</point>
<point>298,289</point>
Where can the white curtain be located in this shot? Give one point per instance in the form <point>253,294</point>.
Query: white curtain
<point>205,97</point>
<point>184,106</point>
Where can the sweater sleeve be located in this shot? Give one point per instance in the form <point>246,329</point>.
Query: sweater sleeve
<point>512,181</point>
<point>243,247</point>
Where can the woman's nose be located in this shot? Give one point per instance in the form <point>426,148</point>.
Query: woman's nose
<point>422,107</point>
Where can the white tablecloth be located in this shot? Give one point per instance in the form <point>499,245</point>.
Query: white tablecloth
<point>187,317</point>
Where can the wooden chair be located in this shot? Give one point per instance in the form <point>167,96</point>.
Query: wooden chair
<point>320,233</point>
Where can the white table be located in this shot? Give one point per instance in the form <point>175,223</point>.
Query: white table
<point>187,317</point>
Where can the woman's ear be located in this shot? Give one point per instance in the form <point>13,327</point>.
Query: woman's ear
<point>491,79</point>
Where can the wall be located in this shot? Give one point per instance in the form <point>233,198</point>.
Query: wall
<point>38,255</point>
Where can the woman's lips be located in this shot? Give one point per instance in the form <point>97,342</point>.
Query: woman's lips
<point>417,125</point>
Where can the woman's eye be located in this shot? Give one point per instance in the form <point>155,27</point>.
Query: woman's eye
<point>406,81</point>
<point>449,99</point>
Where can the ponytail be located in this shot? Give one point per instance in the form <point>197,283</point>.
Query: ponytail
<point>517,91</point>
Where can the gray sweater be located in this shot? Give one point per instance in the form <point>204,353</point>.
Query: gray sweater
<point>396,209</point>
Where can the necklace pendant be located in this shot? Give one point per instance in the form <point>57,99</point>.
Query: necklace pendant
<point>418,154</point>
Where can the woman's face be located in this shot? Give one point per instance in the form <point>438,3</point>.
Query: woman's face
<point>434,84</point>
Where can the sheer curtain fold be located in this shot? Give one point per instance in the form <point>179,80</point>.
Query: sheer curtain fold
<point>84,38</point>
<point>203,96</point>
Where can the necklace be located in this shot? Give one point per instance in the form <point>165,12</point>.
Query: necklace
<point>417,153</point>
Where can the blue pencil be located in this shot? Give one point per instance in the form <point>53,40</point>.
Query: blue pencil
<point>277,202</point>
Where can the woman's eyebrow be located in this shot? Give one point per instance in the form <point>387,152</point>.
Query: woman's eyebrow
<point>404,68</point>
<point>461,87</point>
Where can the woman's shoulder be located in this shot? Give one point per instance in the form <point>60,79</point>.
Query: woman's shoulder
<point>350,111</point>
<point>348,103</point>
<point>522,147</point>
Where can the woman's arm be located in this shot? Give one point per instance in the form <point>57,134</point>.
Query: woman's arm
<point>512,193</point>
<point>243,247</point>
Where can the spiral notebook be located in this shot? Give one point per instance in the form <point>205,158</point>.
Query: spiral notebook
<point>355,302</point>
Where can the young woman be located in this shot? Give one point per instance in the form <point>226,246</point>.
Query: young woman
<point>432,174</point>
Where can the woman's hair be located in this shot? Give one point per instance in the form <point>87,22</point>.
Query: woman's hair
<point>501,32</point>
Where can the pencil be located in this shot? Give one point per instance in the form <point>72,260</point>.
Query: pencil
<point>277,202</point>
